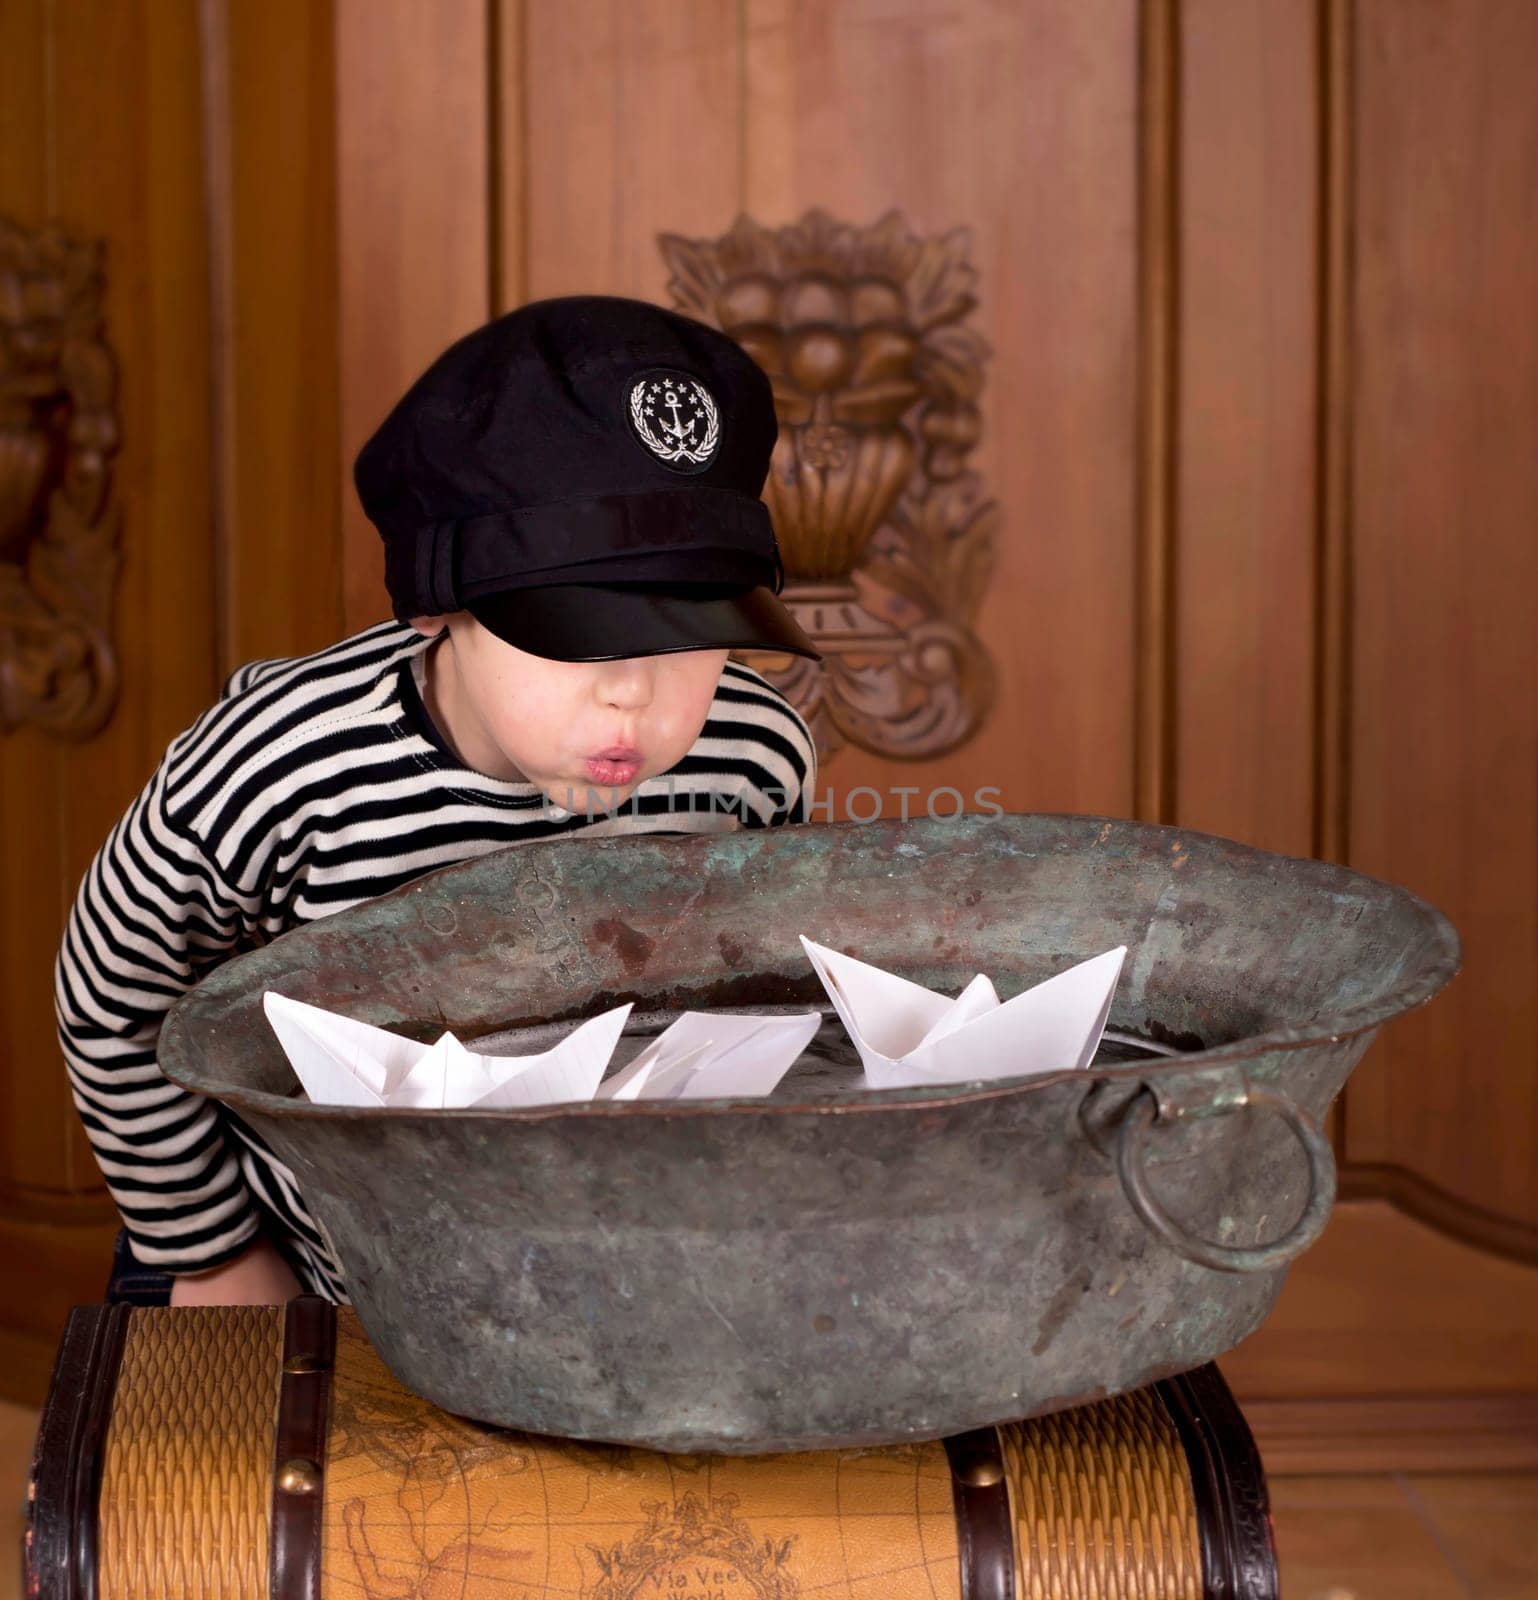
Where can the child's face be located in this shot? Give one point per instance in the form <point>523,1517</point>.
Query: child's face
<point>514,715</point>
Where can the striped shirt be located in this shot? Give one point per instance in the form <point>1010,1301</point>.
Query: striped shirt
<point>314,784</point>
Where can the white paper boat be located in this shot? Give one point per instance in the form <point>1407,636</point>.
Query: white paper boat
<point>908,1036</point>
<point>342,1062</point>
<point>705,1056</point>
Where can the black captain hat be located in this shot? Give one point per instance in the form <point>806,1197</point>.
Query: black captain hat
<point>582,476</point>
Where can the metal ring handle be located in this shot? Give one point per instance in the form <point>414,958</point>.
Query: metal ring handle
<point>1139,1118</point>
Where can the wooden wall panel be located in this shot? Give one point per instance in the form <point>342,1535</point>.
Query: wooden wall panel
<point>25,109</point>
<point>1394,1348</point>
<point>36,1146</point>
<point>1016,122</point>
<point>271,71</point>
<point>633,123</point>
<point>120,157</point>
<point>128,155</point>
<point>1444,751</point>
<point>413,223</point>
<point>1445,1318</point>
<point>1244,592</point>
<point>1156,250</point>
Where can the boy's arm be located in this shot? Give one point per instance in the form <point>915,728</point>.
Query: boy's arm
<point>151,917</point>
<point>755,732</point>
<point>801,797</point>
<point>803,811</point>
<point>258,1276</point>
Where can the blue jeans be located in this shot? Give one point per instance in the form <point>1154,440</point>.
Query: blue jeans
<point>131,1282</point>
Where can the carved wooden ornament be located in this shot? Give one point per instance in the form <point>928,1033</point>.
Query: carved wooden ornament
<point>58,534</point>
<point>886,535</point>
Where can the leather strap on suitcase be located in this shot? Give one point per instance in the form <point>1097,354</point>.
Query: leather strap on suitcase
<point>255,1453</point>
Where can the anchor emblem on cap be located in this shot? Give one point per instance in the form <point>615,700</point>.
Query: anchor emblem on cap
<point>674,416</point>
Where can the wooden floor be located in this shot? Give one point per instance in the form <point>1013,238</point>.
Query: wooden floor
<point>1340,1538</point>
<point>1407,1538</point>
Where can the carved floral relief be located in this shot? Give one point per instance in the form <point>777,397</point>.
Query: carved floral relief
<point>885,532</point>
<point>58,531</point>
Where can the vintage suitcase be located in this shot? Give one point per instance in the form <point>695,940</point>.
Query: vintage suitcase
<point>239,1452</point>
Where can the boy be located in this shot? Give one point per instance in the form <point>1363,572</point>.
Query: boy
<point>573,543</point>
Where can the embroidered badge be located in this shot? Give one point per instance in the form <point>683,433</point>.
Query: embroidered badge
<point>674,416</point>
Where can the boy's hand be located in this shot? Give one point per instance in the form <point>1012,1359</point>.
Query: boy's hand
<point>258,1277</point>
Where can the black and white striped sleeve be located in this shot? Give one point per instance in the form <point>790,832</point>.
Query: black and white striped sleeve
<point>152,916</point>
<point>757,737</point>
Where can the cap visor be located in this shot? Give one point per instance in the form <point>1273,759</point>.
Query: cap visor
<point>611,622</point>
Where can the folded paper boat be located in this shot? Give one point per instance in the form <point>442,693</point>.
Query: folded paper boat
<point>909,1036</point>
<point>343,1062</point>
